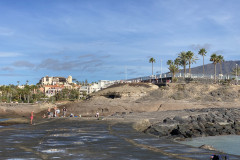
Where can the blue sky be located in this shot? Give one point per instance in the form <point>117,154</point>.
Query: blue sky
<point>105,39</point>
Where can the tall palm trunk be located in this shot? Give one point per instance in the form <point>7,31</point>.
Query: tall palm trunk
<point>189,67</point>
<point>220,67</point>
<point>215,76</point>
<point>203,65</point>
<point>185,71</point>
<point>152,68</point>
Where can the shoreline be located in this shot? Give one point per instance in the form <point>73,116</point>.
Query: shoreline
<point>140,121</point>
<point>64,123</point>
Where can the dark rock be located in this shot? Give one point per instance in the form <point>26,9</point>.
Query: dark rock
<point>208,118</point>
<point>218,119</point>
<point>204,110</point>
<point>214,122</point>
<point>236,126</point>
<point>160,130</point>
<point>201,118</point>
<point>152,131</point>
<point>195,125</point>
<point>211,132</point>
<point>212,115</point>
<point>228,114</point>
<point>180,119</point>
<point>209,125</point>
<point>168,121</point>
<point>193,119</point>
<point>201,125</point>
<point>175,132</point>
<point>189,134</point>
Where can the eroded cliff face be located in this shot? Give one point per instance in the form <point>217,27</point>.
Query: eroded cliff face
<point>142,97</point>
<point>131,90</point>
<point>192,92</point>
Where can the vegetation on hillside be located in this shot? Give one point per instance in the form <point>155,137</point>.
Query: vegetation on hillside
<point>28,94</point>
<point>32,94</point>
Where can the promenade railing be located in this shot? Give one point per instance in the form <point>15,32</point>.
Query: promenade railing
<point>182,75</point>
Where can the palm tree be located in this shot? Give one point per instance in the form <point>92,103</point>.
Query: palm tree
<point>169,62</point>
<point>183,61</point>
<point>202,52</point>
<point>152,60</point>
<point>191,59</point>
<point>177,61</point>
<point>173,68</point>
<point>18,82</point>
<point>27,82</point>
<point>220,61</point>
<point>74,79</point>
<point>215,60</point>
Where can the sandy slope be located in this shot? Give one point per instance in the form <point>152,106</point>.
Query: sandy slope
<point>128,98</point>
<point>21,110</point>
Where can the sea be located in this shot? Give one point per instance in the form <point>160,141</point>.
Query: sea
<point>229,144</point>
<point>4,119</point>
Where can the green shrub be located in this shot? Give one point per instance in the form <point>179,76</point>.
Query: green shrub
<point>174,79</point>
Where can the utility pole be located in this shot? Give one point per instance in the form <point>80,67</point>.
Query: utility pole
<point>236,74</point>
<point>161,69</point>
<point>126,73</point>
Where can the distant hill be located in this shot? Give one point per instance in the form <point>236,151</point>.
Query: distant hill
<point>227,67</point>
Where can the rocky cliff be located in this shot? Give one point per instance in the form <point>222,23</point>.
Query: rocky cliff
<point>141,97</point>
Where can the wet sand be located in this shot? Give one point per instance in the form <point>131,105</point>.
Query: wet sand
<point>75,138</point>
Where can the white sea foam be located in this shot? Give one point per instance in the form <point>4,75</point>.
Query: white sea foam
<point>54,151</point>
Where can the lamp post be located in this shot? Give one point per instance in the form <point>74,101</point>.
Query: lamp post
<point>161,70</point>
<point>237,74</point>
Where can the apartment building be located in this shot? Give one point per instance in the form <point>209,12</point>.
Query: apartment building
<point>55,80</point>
<point>96,86</point>
<point>51,90</point>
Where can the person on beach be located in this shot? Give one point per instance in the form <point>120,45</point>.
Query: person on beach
<point>44,115</point>
<point>58,112</point>
<point>214,157</point>
<point>97,115</point>
<point>55,111</point>
<point>64,111</point>
<point>31,117</point>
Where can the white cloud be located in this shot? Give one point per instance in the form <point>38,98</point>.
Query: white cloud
<point>6,32</point>
<point>10,54</point>
<point>23,64</point>
<point>221,18</point>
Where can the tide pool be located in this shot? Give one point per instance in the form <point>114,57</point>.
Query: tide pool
<point>4,119</point>
<point>228,144</point>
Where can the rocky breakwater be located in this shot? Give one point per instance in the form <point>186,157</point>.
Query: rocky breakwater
<point>200,122</point>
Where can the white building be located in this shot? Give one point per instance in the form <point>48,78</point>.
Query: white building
<point>105,83</point>
<point>96,86</point>
<point>55,80</point>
